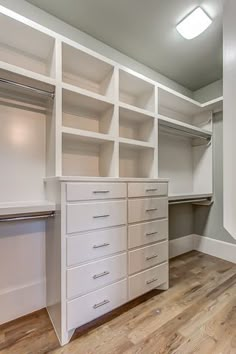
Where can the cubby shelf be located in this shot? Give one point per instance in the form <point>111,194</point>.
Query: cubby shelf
<point>85,136</point>
<point>135,144</point>
<point>183,128</point>
<point>135,110</point>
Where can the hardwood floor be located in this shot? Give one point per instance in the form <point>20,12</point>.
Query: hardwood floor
<point>196,315</point>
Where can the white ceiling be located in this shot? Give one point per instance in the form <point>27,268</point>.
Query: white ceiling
<point>145,30</point>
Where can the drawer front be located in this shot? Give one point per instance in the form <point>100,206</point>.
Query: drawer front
<point>147,257</point>
<point>149,279</point>
<point>149,232</point>
<point>147,209</point>
<point>147,189</point>
<point>91,191</point>
<point>95,275</point>
<point>90,306</point>
<point>90,216</point>
<point>95,244</point>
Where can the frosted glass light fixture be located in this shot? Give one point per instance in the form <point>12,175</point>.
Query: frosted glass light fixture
<point>194,24</point>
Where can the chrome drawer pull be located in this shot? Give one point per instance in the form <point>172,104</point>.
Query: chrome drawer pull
<point>151,281</point>
<point>151,190</point>
<point>104,302</point>
<point>151,257</point>
<point>100,275</point>
<point>97,192</point>
<point>151,233</point>
<point>102,245</point>
<point>101,216</point>
<point>151,209</point>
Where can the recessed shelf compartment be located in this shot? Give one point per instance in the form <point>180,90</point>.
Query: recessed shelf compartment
<point>136,161</point>
<point>87,113</point>
<point>187,162</point>
<point>136,92</point>
<point>85,155</point>
<point>26,47</point>
<point>136,126</point>
<point>86,71</point>
<point>180,108</point>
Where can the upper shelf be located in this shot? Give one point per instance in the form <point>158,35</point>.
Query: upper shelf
<point>184,128</point>
<point>19,208</point>
<point>87,71</point>
<point>25,47</point>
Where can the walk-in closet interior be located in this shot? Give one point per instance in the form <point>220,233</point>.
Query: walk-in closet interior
<point>108,169</point>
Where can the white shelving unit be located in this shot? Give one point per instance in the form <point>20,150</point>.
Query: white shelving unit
<point>104,120</point>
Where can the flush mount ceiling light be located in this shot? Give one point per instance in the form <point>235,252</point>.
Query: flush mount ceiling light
<point>194,24</point>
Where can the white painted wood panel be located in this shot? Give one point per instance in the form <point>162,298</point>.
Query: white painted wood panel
<point>95,275</point>
<point>147,257</point>
<point>145,233</point>
<point>90,216</point>
<point>147,280</point>
<point>88,307</point>
<point>147,209</point>
<point>90,191</point>
<point>147,189</point>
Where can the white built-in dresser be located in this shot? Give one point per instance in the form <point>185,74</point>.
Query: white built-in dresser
<point>107,245</point>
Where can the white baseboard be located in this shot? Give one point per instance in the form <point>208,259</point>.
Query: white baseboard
<point>181,245</point>
<point>21,301</point>
<point>216,248</point>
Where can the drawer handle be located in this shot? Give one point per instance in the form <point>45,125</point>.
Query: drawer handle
<point>151,281</point>
<point>101,216</point>
<point>102,245</point>
<point>151,233</point>
<point>104,302</point>
<point>151,209</point>
<point>100,275</point>
<point>151,257</point>
<point>151,190</point>
<point>102,192</point>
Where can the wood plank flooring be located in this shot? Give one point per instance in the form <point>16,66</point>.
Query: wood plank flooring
<point>196,315</point>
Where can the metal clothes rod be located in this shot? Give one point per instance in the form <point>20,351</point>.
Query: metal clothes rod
<point>187,201</point>
<point>185,132</point>
<point>31,88</point>
<point>25,217</point>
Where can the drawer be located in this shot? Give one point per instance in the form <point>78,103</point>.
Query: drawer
<point>147,209</point>
<point>147,189</point>
<point>145,233</point>
<point>88,307</point>
<point>90,216</point>
<point>90,191</point>
<point>92,276</point>
<point>149,279</point>
<point>95,244</point>
<point>147,257</point>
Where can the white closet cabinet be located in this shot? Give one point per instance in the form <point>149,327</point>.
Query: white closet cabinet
<point>89,139</point>
<point>107,244</point>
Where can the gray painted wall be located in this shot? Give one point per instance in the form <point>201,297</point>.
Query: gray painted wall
<point>181,220</point>
<point>209,221</point>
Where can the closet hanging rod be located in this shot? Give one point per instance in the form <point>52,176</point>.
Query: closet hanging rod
<point>185,132</point>
<point>27,217</point>
<point>28,87</point>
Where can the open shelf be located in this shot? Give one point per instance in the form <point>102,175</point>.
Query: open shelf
<point>19,208</point>
<point>183,128</point>
<point>87,113</point>
<point>180,108</point>
<point>189,196</point>
<point>136,92</point>
<point>136,126</point>
<point>84,155</point>
<point>25,47</point>
<point>86,71</point>
<point>186,162</point>
<point>135,161</point>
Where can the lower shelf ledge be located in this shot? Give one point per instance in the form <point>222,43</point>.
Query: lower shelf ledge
<point>22,208</point>
<point>198,199</point>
